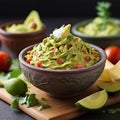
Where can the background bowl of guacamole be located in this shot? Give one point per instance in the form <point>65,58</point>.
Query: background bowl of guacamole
<point>93,32</point>
<point>18,34</point>
<point>15,42</point>
<point>62,83</point>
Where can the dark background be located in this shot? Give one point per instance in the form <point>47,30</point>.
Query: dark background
<point>56,11</point>
<point>54,8</point>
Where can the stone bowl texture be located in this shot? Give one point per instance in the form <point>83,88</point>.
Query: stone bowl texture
<point>62,83</point>
<point>15,42</point>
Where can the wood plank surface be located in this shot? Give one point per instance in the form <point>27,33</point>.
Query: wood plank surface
<point>61,109</point>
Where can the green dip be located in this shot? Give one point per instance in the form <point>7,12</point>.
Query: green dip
<point>62,50</point>
<point>95,27</point>
<point>18,28</point>
<point>32,23</point>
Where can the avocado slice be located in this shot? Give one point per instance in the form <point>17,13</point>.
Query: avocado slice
<point>111,87</point>
<point>33,21</point>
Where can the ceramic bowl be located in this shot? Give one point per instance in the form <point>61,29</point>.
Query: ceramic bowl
<point>15,42</point>
<point>62,83</point>
<point>101,41</point>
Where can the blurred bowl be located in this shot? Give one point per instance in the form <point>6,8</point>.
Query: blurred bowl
<point>62,83</point>
<point>15,42</point>
<point>101,41</point>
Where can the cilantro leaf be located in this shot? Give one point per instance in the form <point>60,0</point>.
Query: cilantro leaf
<point>103,9</point>
<point>43,99</point>
<point>43,106</point>
<point>103,12</point>
<point>31,100</point>
<point>15,65</point>
<point>15,102</point>
<point>14,73</point>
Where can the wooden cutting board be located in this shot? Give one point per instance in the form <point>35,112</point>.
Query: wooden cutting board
<point>61,109</point>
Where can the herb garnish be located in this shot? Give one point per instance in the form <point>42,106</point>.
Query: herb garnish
<point>43,106</point>
<point>29,99</point>
<point>103,12</point>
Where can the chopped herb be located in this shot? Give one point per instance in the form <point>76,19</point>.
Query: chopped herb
<point>69,56</point>
<point>103,9</point>
<point>15,65</point>
<point>22,100</point>
<point>102,26</point>
<point>70,37</point>
<point>112,110</point>
<point>14,74</point>
<point>103,12</point>
<point>15,102</point>
<point>44,99</point>
<point>31,100</point>
<point>14,71</point>
<point>43,106</point>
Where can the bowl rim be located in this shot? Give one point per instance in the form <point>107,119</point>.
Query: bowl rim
<point>100,50</point>
<point>83,22</point>
<point>3,32</point>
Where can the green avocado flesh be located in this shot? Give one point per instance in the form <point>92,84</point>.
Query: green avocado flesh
<point>32,23</point>
<point>33,17</point>
<point>94,101</point>
<point>109,86</point>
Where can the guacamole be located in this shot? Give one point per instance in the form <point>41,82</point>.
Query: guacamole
<point>62,50</point>
<point>97,28</point>
<point>32,23</point>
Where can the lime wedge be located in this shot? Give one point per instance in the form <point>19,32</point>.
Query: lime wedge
<point>94,101</point>
<point>110,87</point>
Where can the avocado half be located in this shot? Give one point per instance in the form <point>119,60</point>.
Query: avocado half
<point>33,18</point>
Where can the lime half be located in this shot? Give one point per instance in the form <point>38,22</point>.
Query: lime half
<point>94,101</point>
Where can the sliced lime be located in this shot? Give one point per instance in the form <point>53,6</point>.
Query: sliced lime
<point>94,101</point>
<point>109,86</point>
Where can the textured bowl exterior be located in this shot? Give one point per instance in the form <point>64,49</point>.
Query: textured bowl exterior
<point>15,42</point>
<point>62,83</point>
<point>101,41</point>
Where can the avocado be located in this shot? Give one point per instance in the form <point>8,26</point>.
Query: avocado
<point>111,87</point>
<point>33,21</point>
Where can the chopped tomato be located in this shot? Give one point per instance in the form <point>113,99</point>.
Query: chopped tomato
<point>28,52</point>
<point>39,64</point>
<point>76,38</point>
<point>28,60</point>
<point>96,55</point>
<point>87,58</point>
<point>60,61</point>
<point>52,49</point>
<point>84,51</point>
<point>79,65</point>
